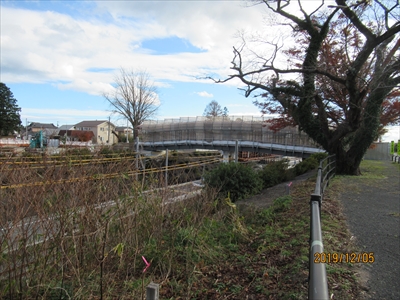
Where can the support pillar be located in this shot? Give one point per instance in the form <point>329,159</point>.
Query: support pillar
<point>225,156</point>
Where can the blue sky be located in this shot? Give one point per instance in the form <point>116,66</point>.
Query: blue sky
<point>58,57</point>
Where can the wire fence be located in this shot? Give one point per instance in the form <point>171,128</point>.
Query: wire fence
<point>101,176</point>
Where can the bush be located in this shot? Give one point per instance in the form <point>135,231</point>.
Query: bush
<point>290,174</point>
<point>274,173</point>
<point>239,180</point>
<point>319,156</point>
<point>310,163</point>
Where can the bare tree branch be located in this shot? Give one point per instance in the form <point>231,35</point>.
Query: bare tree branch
<point>135,97</point>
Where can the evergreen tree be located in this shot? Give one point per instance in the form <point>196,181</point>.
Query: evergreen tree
<point>10,119</point>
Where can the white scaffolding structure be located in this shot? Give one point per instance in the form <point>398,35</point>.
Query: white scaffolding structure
<point>231,128</point>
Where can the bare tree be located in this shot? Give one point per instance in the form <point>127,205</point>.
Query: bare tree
<point>225,112</point>
<point>342,74</point>
<point>135,97</point>
<point>213,109</point>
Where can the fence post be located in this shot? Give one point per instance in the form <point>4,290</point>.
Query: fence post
<point>152,291</point>
<point>287,188</point>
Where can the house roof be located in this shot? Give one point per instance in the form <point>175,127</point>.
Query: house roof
<point>66,127</point>
<point>42,125</point>
<point>91,123</point>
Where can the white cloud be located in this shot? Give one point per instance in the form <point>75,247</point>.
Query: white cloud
<point>65,112</point>
<point>92,88</point>
<point>62,116</point>
<point>205,94</point>
<point>393,134</point>
<point>49,46</point>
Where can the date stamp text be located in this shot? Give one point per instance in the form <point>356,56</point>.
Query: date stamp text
<point>353,258</point>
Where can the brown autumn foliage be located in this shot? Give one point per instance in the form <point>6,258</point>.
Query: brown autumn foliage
<point>341,82</point>
<point>335,58</point>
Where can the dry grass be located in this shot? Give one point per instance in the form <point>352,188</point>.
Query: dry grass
<point>84,239</point>
<point>72,230</point>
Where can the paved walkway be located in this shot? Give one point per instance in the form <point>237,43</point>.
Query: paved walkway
<point>372,208</point>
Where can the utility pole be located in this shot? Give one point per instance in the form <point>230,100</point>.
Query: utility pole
<point>137,158</point>
<point>127,132</point>
<point>166,168</point>
<point>108,130</point>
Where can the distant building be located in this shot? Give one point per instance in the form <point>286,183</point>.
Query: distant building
<point>124,131</point>
<point>76,135</point>
<point>66,127</point>
<point>48,129</point>
<point>36,127</point>
<point>102,131</point>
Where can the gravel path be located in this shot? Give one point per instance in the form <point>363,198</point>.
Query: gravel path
<point>372,208</point>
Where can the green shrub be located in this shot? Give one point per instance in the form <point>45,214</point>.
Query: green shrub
<point>310,163</point>
<point>290,174</point>
<point>319,156</point>
<point>239,180</point>
<point>274,173</point>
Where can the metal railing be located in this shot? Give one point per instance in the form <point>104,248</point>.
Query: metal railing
<point>318,284</point>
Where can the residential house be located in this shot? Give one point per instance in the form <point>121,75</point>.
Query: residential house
<point>48,129</point>
<point>102,131</point>
<point>123,132</point>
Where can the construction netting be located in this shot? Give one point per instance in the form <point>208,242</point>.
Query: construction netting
<point>232,128</point>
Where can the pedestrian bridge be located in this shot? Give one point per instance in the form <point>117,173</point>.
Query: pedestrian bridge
<point>229,134</point>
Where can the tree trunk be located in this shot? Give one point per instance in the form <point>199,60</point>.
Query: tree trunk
<point>347,166</point>
<point>347,162</point>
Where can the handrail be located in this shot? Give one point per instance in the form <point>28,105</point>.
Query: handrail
<point>318,284</point>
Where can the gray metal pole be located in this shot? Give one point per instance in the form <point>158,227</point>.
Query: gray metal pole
<point>236,151</point>
<point>318,285</point>
<point>137,157</point>
<point>109,129</point>
<point>166,168</point>
<point>127,132</point>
